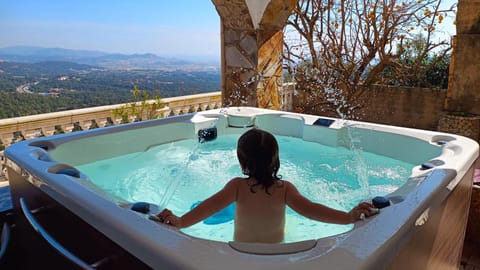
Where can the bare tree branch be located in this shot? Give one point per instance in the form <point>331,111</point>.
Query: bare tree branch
<point>344,44</point>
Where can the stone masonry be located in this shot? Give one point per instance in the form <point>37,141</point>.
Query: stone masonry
<point>252,44</point>
<point>463,89</point>
<point>462,112</point>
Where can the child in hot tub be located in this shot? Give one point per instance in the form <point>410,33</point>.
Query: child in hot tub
<point>261,197</point>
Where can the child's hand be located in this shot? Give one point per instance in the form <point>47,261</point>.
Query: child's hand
<point>361,211</point>
<point>167,217</point>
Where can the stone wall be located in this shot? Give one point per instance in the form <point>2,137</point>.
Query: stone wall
<point>402,106</point>
<point>399,106</point>
<point>467,125</point>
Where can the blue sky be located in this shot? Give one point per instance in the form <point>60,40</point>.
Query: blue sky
<point>163,27</point>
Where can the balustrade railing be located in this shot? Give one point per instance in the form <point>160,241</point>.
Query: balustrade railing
<point>47,124</point>
<point>28,127</point>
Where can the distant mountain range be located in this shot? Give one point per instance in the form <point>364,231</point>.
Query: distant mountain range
<point>28,54</point>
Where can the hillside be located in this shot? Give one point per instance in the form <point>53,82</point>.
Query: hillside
<point>48,68</point>
<point>33,88</point>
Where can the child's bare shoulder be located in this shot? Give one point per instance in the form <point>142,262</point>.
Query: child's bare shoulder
<point>289,185</point>
<point>235,181</point>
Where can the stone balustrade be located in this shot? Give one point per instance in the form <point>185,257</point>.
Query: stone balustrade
<point>47,124</point>
<point>28,127</point>
<point>3,169</point>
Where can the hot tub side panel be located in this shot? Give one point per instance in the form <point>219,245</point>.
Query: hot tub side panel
<point>69,230</point>
<point>438,244</point>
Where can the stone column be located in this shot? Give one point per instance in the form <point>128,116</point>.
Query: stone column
<point>86,124</point>
<point>48,130</point>
<point>463,88</point>
<point>252,45</point>
<point>463,95</point>
<point>6,138</point>
<point>101,121</point>
<point>67,128</point>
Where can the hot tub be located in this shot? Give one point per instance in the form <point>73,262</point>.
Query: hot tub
<point>423,228</point>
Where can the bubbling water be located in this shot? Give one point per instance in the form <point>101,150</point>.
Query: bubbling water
<point>179,174</point>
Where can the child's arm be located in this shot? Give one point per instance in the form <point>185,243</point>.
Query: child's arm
<point>208,207</point>
<point>320,212</point>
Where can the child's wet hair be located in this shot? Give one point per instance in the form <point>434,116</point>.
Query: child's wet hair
<point>257,152</point>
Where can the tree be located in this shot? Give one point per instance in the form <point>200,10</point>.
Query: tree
<point>142,108</point>
<point>335,49</point>
<point>418,69</point>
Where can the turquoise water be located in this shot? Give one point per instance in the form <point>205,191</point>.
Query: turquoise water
<point>179,174</point>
